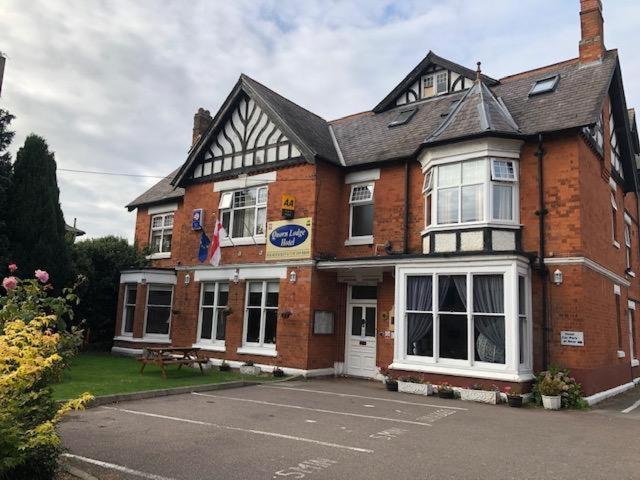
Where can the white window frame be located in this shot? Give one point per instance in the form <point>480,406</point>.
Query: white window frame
<point>512,369</point>
<point>446,82</point>
<point>162,229</point>
<point>259,348</point>
<point>614,146</point>
<point>631,315</point>
<point>157,336</point>
<point>627,245</point>
<point>487,191</point>
<point>226,205</point>
<point>360,239</point>
<point>213,342</point>
<point>614,218</point>
<point>127,288</point>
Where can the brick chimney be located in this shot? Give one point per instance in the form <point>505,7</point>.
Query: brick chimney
<point>592,29</point>
<point>201,121</point>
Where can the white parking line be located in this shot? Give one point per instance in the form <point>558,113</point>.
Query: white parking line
<point>299,407</point>
<point>119,468</point>
<point>361,396</point>
<point>245,430</point>
<point>632,407</point>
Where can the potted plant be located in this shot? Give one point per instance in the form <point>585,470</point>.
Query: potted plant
<point>513,399</point>
<point>224,366</point>
<point>248,368</point>
<point>445,390</point>
<point>478,393</point>
<point>278,372</point>
<point>389,382</point>
<point>550,388</point>
<point>414,385</point>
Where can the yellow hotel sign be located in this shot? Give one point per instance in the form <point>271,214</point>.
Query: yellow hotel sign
<point>289,239</point>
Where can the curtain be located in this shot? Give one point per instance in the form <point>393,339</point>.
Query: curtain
<point>488,297</point>
<point>443,287</point>
<point>502,199</point>
<point>419,298</point>
<point>460,282</point>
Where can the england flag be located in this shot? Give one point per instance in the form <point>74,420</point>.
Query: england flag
<point>215,253</point>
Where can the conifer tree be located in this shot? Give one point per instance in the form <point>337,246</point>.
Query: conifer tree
<point>36,223</point>
<point>5,185</point>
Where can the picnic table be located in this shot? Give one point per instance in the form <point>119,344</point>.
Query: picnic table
<point>163,356</point>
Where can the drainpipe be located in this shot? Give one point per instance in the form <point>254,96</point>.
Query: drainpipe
<point>542,269</point>
<point>405,240</point>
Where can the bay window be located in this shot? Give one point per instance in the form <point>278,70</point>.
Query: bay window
<point>472,191</point>
<point>361,211</point>
<point>213,303</point>
<point>158,310</point>
<point>161,233</point>
<point>261,315</point>
<point>244,212</point>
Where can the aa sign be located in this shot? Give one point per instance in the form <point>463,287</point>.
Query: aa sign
<point>288,206</point>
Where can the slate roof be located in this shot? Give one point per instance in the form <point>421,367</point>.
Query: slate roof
<point>161,192</point>
<point>366,137</point>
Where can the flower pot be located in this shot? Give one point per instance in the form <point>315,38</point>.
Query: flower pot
<point>446,394</point>
<point>481,396</point>
<point>514,401</point>
<point>551,402</point>
<point>250,370</point>
<point>224,368</point>
<point>392,386</point>
<point>415,388</point>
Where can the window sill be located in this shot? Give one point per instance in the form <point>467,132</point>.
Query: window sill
<point>616,244</point>
<point>459,371</point>
<point>621,354</point>
<point>212,347</point>
<point>160,339</point>
<point>635,362</point>
<point>126,338</point>
<point>159,255</point>
<point>469,226</point>
<point>264,351</point>
<point>234,242</point>
<point>366,240</point>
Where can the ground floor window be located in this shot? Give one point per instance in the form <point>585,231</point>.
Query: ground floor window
<point>213,304</point>
<point>261,316</point>
<point>129,311</point>
<point>632,330</point>
<point>452,318</point>
<point>158,311</point>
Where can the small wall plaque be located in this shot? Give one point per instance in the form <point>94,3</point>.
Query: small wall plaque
<point>572,339</point>
<point>323,323</point>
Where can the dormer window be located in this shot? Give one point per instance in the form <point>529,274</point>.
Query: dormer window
<point>403,117</point>
<point>435,84</point>
<point>441,83</point>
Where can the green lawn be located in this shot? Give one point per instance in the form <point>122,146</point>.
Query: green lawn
<point>105,374</point>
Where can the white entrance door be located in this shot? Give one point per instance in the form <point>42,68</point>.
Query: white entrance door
<point>361,339</point>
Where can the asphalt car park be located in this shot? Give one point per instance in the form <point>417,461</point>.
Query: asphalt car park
<point>339,429</point>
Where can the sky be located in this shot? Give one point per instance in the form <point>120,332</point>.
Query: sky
<point>113,84</point>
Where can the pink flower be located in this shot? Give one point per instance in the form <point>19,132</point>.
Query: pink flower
<point>12,267</point>
<point>9,283</point>
<point>42,276</point>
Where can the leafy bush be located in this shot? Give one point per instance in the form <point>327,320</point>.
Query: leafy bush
<point>34,349</point>
<point>411,379</point>
<point>558,381</point>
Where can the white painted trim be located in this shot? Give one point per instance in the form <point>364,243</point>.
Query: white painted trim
<point>616,244</point>
<point>631,305</point>
<point>127,338</point>
<point>635,362</point>
<point>459,372</point>
<point>336,145</point>
<point>612,184</point>
<point>478,148</point>
<point>362,176</point>
<point>166,208</point>
<point>364,240</point>
<point>212,347</point>
<point>621,354</point>
<point>164,340</point>
<point>291,263</point>
<point>126,351</point>
<point>263,271</point>
<point>424,261</point>
<point>262,351</point>
<point>318,372</point>
<point>627,218</point>
<point>149,276</point>
<point>158,255</point>
<point>616,290</point>
<point>471,225</point>
<point>612,392</point>
<point>243,241</point>
<point>587,262</point>
<point>245,181</point>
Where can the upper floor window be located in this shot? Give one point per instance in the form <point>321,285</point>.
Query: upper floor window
<point>435,84</point>
<point>627,241</point>
<point>471,191</point>
<point>244,212</point>
<point>161,233</point>
<point>361,211</point>
<point>616,163</point>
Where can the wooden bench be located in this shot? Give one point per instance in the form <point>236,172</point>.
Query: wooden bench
<point>163,356</point>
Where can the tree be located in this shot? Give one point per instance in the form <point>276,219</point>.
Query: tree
<point>36,224</point>
<point>5,183</point>
<point>100,260</point>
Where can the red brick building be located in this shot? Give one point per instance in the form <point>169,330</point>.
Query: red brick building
<point>465,228</point>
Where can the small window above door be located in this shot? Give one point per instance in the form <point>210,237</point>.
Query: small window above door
<point>364,292</point>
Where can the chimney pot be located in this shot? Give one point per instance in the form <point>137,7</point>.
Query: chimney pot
<point>591,45</point>
<point>201,121</point>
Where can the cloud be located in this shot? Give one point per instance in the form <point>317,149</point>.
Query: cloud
<point>113,84</point>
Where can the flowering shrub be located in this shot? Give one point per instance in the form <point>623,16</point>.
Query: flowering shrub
<point>557,381</point>
<point>33,352</point>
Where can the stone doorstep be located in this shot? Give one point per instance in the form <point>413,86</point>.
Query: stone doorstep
<point>124,397</point>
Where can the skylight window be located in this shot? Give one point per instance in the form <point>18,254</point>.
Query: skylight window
<point>544,85</point>
<point>403,117</point>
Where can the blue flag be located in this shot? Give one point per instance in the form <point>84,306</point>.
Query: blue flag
<point>203,251</point>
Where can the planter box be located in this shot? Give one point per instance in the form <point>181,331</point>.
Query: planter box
<point>482,396</point>
<point>249,370</point>
<point>415,388</point>
<point>514,401</point>
<point>551,402</point>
